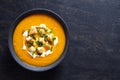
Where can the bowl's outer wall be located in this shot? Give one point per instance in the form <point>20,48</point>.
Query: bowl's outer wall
<point>10,40</point>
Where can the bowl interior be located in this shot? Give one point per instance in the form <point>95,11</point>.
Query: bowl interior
<point>10,40</point>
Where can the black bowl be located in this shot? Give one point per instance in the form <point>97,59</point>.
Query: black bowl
<point>10,40</point>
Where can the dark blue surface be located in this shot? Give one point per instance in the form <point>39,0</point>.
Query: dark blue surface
<point>94,52</point>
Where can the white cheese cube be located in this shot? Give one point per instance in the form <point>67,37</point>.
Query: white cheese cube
<point>28,38</point>
<point>24,47</point>
<point>41,39</point>
<point>32,55</point>
<point>43,54</point>
<point>32,48</point>
<point>33,27</point>
<point>43,26</point>
<point>48,52</point>
<point>25,33</point>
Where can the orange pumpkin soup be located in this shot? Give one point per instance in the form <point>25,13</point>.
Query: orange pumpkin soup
<point>20,40</point>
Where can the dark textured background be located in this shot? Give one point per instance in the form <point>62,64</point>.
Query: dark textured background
<point>94,52</point>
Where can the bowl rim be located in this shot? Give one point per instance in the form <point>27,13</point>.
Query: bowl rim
<point>11,32</point>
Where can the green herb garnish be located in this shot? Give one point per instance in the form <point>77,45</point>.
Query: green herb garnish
<point>38,28</point>
<point>54,39</point>
<point>29,44</point>
<point>43,35</point>
<point>45,29</point>
<point>50,31</point>
<point>28,30</point>
<point>51,48</point>
<point>36,49</point>
<point>39,54</point>
<point>39,44</point>
<point>33,36</point>
<point>33,52</point>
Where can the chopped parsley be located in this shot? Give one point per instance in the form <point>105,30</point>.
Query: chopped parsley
<point>37,28</point>
<point>45,29</point>
<point>39,44</point>
<point>29,44</point>
<point>28,30</point>
<point>39,54</point>
<point>50,31</point>
<point>51,48</point>
<point>54,39</point>
<point>33,36</point>
<point>43,35</point>
<point>36,49</point>
<point>33,52</point>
